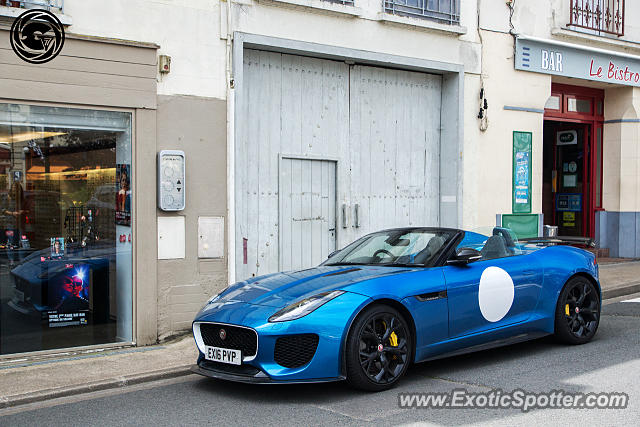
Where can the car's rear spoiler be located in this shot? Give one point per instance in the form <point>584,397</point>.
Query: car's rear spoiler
<point>560,240</point>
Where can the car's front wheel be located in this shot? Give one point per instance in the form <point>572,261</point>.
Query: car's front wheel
<point>378,349</point>
<point>577,312</point>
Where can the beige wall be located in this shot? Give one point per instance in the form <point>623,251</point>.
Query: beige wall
<point>621,154</point>
<point>488,155</point>
<point>198,127</point>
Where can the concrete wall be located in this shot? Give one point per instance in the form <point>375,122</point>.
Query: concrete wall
<point>488,155</point>
<point>198,127</point>
<point>186,30</point>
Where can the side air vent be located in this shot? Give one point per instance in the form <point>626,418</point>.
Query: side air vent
<point>294,351</point>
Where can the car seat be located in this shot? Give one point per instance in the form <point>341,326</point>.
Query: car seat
<point>495,247</point>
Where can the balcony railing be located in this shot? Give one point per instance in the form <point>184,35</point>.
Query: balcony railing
<point>50,5</point>
<point>446,11</point>
<point>602,16</point>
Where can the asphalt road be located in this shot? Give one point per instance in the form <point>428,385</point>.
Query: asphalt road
<point>611,362</point>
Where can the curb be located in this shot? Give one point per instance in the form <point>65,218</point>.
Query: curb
<point>128,380</point>
<point>621,291</point>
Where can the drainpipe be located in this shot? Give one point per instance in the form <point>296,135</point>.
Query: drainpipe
<point>231,173</point>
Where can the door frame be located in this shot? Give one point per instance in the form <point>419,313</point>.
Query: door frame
<point>594,121</point>
<point>320,158</point>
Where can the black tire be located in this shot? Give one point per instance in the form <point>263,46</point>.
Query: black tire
<point>379,348</point>
<point>581,300</point>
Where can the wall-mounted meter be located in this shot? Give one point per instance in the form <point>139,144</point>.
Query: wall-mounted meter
<point>171,185</point>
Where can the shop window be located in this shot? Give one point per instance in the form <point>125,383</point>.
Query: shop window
<point>578,105</point>
<point>553,103</point>
<point>65,235</point>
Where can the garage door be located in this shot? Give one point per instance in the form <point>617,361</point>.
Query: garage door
<point>378,128</point>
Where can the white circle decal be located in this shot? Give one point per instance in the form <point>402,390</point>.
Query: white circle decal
<point>495,294</point>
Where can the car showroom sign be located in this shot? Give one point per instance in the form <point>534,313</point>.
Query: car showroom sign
<point>567,60</point>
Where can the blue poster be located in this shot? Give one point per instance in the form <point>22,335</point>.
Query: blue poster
<point>522,177</point>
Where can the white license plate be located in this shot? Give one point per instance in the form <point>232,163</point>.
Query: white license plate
<point>224,355</point>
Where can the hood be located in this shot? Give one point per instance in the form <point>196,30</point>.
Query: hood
<point>282,289</point>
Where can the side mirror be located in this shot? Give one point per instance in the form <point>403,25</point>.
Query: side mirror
<point>464,256</point>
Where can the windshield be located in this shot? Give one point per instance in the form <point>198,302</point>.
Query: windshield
<point>413,247</point>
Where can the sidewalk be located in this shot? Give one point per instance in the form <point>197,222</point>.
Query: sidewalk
<point>31,380</point>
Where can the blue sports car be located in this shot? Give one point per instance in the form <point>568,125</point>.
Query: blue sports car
<point>393,298</point>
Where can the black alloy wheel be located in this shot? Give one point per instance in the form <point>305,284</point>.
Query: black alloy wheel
<point>378,349</point>
<point>578,311</point>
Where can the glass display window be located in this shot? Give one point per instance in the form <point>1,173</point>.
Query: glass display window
<point>65,227</point>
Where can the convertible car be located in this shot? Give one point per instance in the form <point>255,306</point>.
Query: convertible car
<point>393,298</point>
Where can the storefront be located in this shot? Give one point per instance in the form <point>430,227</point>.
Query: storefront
<point>590,184</point>
<point>65,269</point>
<point>69,133</point>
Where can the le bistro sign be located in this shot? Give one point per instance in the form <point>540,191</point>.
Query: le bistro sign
<point>563,59</point>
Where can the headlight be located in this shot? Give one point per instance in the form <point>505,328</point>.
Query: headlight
<point>301,308</point>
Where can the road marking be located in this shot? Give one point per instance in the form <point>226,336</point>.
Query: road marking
<point>632,300</point>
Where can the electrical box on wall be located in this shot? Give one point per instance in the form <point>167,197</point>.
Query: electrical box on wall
<point>171,180</point>
<point>164,64</point>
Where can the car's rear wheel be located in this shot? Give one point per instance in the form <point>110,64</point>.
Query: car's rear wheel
<point>577,312</point>
<point>378,349</point>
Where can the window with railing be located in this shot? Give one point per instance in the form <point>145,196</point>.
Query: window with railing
<point>602,16</point>
<point>51,5</point>
<point>444,11</point>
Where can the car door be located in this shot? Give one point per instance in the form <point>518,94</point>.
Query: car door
<point>496,291</point>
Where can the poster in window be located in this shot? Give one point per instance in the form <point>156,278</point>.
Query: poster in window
<point>123,195</point>
<point>57,247</point>
<point>521,199</point>
<point>68,294</point>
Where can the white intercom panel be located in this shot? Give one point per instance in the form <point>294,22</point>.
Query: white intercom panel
<point>171,183</point>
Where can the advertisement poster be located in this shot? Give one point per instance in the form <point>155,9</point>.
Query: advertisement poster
<point>68,295</point>
<point>57,247</point>
<point>123,194</point>
<point>521,201</point>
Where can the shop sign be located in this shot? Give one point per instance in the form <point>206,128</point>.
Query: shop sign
<point>567,137</point>
<point>577,62</point>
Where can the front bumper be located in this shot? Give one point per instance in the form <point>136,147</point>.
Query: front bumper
<point>257,378</point>
<point>329,322</point>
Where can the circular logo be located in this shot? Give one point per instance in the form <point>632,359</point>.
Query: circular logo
<point>495,294</point>
<point>380,347</point>
<point>37,36</point>
<point>223,334</point>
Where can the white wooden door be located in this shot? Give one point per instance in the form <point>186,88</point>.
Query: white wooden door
<point>382,128</point>
<point>394,137</point>
<point>307,198</point>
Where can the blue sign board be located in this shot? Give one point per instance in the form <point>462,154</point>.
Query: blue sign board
<point>569,202</point>
<point>563,59</point>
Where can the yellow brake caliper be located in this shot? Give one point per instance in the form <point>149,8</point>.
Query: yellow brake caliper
<point>566,310</point>
<point>393,339</point>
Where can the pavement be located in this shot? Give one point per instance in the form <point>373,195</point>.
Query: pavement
<point>35,379</point>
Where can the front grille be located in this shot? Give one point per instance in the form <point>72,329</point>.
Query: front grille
<point>237,338</point>
<point>294,351</point>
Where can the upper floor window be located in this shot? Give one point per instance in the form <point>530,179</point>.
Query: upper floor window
<point>445,11</point>
<point>51,5</point>
<point>601,16</point>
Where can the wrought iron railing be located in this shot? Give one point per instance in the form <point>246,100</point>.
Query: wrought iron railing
<point>447,11</point>
<point>51,5</point>
<point>603,16</point>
